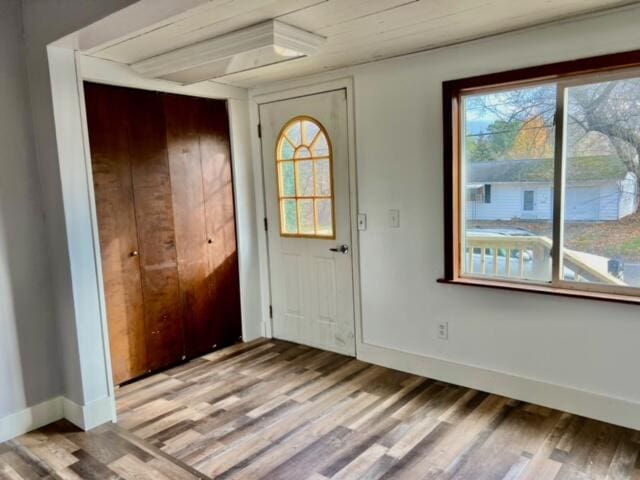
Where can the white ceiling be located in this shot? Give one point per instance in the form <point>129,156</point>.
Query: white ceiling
<point>357,31</point>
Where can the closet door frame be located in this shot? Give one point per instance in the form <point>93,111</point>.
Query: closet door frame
<point>92,398</point>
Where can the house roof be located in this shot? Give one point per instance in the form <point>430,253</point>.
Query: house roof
<point>541,170</point>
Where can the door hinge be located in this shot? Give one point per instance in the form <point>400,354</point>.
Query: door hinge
<point>259,131</point>
<point>270,311</point>
<point>266,224</point>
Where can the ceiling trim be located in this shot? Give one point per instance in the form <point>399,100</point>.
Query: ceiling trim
<point>267,43</point>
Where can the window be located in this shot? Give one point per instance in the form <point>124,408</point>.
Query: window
<point>305,184</point>
<point>487,193</point>
<point>527,204</point>
<point>561,143</point>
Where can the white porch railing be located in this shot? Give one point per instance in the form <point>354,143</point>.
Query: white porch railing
<point>529,257</point>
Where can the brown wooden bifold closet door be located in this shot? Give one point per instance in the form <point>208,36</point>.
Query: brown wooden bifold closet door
<point>108,135</point>
<point>164,200</point>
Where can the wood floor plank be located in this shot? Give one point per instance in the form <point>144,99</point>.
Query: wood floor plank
<point>272,410</point>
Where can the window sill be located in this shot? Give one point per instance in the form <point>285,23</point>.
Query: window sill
<point>605,297</point>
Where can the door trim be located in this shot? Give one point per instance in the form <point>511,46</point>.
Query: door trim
<point>346,84</point>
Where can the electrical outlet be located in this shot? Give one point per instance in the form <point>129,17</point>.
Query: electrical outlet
<point>443,330</point>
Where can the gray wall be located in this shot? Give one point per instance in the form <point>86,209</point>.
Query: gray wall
<point>44,22</point>
<point>29,360</point>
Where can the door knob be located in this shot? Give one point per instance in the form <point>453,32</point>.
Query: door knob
<point>210,240</point>
<point>134,253</point>
<point>344,249</point>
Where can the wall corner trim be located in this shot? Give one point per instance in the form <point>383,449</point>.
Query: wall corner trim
<point>613,410</point>
<point>31,418</point>
<point>92,414</point>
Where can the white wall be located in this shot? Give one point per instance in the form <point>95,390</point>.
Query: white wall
<point>587,346</point>
<point>29,364</point>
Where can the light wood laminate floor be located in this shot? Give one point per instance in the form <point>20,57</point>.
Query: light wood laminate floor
<point>275,410</point>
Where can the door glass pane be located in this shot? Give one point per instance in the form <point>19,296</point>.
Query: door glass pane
<point>289,216</point>
<point>324,216</point>
<point>302,152</point>
<point>323,177</point>
<point>309,131</point>
<point>320,147</point>
<point>306,221</point>
<point>287,179</point>
<point>286,150</point>
<point>293,133</point>
<point>507,180</point>
<point>601,221</point>
<point>304,174</point>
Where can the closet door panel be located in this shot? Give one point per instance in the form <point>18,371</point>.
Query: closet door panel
<point>108,141</point>
<point>220,219</point>
<point>183,146</point>
<point>156,233</point>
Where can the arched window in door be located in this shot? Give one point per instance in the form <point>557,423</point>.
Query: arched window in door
<point>305,183</point>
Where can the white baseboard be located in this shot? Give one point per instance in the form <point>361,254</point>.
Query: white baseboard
<point>30,418</point>
<point>90,415</point>
<point>86,417</point>
<point>608,409</point>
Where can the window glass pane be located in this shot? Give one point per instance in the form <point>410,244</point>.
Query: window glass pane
<point>507,178</point>
<point>304,170</point>
<point>323,177</point>
<point>289,216</point>
<point>306,216</point>
<point>294,134</point>
<point>324,217</point>
<point>528,200</point>
<point>302,152</point>
<point>304,180</point>
<point>287,179</point>
<point>309,131</point>
<point>286,150</point>
<point>320,147</point>
<point>601,221</point>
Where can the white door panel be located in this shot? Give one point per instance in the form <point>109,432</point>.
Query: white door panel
<point>311,286</point>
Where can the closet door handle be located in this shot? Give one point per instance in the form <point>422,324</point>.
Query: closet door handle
<point>134,253</point>
<point>210,240</point>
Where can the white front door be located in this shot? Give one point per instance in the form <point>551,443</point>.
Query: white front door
<point>306,174</point>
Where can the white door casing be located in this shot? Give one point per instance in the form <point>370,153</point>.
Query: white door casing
<point>311,286</point>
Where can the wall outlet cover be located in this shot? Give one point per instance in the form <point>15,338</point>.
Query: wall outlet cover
<point>443,330</point>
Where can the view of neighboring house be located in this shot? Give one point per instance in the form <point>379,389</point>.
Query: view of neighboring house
<point>599,189</point>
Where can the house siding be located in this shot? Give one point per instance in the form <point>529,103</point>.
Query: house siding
<point>609,201</point>
<point>628,199</point>
<point>588,202</point>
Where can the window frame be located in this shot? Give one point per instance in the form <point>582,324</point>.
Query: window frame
<point>332,197</point>
<point>565,74</point>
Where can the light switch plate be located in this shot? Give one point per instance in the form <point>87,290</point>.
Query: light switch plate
<point>362,221</point>
<point>394,218</point>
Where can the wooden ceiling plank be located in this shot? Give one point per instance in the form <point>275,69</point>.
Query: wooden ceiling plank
<point>132,21</point>
<point>336,12</point>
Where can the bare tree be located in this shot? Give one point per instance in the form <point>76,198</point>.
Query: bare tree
<point>611,109</point>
